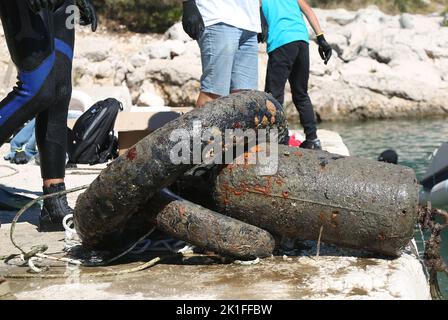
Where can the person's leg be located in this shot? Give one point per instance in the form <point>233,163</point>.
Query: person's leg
<point>31,146</point>
<point>205,97</point>
<point>51,124</point>
<point>299,86</point>
<point>218,45</point>
<point>245,63</point>
<point>31,48</point>
<point>279,69</point>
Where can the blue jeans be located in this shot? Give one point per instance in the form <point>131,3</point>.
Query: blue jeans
<point>229,59</point>
<point>24,140</point>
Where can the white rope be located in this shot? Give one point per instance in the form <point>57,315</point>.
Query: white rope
<point>67,260</point>
<point>71,236</point>
<point>33,267</point>
<point>247,263</point>
<point>187,249</point>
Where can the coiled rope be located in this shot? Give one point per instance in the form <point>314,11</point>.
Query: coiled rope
<point>36,253</point>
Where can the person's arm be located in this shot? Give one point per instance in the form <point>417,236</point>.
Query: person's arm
<point>325,50</point>
<point>310,16</point>
<point>263,36</point>
<point>192,21</point>
<point>37,5</point>
<point>87,13</point>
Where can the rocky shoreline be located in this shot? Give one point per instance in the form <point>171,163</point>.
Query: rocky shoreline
<point>384,66</point>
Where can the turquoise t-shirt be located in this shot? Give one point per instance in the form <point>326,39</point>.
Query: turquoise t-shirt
<point>286,23</point>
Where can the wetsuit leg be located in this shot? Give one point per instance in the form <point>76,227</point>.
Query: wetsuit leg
<point>51,124</point>
<point>41,46</point>
<point>30,43</point>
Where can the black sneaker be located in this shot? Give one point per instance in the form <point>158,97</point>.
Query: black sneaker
<point>54,210</point>
<point>20,157</point>
<point>311,144</point>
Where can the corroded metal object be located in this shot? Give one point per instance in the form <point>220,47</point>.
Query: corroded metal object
<point>125,187</point>
<point>359,203</point>
<point>215,232</point>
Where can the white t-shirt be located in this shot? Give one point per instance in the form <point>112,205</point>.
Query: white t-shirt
<point>243,14</point>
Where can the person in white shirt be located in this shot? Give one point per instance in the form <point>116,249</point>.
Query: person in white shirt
<point>226,31</point>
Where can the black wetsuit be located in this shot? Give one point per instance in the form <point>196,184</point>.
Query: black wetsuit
<point>41,47</point>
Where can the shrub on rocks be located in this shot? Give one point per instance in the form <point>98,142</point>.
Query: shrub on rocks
<point>142,15</point>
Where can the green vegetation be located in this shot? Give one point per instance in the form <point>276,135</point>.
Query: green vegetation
<point>140,15</point>
<point>159,15</point>
<point>445,17</point>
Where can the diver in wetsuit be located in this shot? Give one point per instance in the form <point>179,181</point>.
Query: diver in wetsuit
<point>40,41</point>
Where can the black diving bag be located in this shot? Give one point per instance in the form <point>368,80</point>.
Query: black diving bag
<point>92,140</point>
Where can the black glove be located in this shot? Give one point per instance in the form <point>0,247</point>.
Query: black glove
<point>37,5</point>
<point>192,20</point>
<point>20,157</point>
<point>263,36</point>
<point>325,50</point>
<point>87,14</point>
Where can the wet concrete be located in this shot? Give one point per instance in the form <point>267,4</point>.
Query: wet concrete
<point>335,275</point>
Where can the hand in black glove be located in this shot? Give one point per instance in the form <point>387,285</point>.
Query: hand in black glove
<point>263,36</point>
<point>325,50</point>
<point>20,157</point>
<point>87,14</point>
<point>37,5</point>
<point>192,20</point>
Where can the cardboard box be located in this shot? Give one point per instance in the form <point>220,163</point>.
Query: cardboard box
<point>134,126</point>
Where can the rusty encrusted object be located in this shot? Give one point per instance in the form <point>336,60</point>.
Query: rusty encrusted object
<point>212,231</point>
<point>433,257</point>
<point>361,203</point>
<point>125,188</point>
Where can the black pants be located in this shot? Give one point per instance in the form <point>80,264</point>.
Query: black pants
<point>292,62</point>
<point>41,47</point>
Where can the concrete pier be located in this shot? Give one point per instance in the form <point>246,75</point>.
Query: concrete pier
<point>335,274</point>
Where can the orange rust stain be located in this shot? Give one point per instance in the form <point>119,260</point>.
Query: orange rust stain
<point>237,193</point>
<point>298,153</point>
<point>181,211</point>
<point>279,181</point>
<point>271,107</point>
<point>322,217</point>
<point>244,186</point>
<point>261,190</point>
<point>256,148</point>
<point>265,121</point>
<point>334,216</point>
